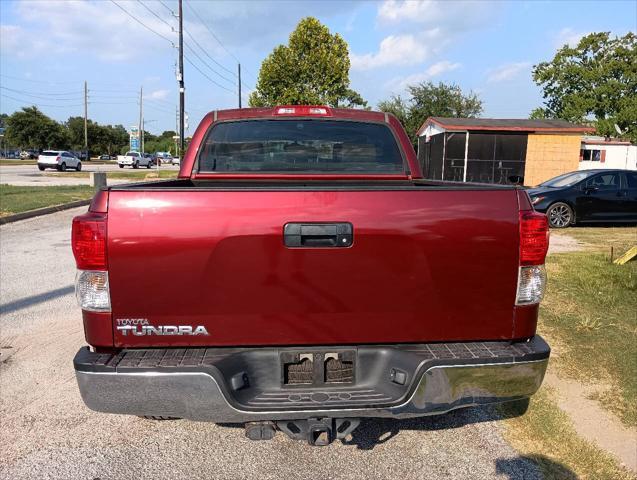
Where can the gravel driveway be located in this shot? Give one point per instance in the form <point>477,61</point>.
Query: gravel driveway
<point>48,433</point>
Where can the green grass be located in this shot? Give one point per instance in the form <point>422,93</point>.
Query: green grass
<point>589,317</point>
<point>6,161</point>
<point>545,435</point>
<point>21,199</point>
<point>602,238</point>
<point>141,174</point>
<point>590,314</point>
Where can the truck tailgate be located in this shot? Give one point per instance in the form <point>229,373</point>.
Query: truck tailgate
<point>425,265</point>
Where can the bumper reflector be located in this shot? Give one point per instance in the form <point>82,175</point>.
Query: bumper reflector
<point>531,284</point>
<point>91,290</point>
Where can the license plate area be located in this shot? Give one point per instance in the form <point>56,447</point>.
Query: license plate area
<point>311,368</point>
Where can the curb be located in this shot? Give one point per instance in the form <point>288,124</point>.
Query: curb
<point>43,211</point>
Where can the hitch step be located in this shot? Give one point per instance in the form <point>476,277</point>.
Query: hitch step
<point>318,432</point>
<point>260,430</point>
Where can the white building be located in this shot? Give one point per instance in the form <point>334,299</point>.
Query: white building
<point>600,152</point>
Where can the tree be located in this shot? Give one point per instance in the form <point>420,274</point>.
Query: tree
<point>113,139</point>
<point>429,100</point>
<point>30,128</point>
<point>313,69</point>
<point>595,80</point>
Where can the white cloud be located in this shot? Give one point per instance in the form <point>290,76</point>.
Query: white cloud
<point>392,11</point>
<point>393,51</point>
<point>507,71</point>
<point>434,70</point>
<point>157,94</point>
<point>401,50</point>
<point>461,15</point>
<point>568,36</point>
<point>97,29</point>
<point>421,29</point>
<point>441,67</point>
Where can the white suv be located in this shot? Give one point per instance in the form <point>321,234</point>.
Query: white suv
<point>58,159</point>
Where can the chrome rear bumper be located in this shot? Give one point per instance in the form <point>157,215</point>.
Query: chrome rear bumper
<point>209,392</point>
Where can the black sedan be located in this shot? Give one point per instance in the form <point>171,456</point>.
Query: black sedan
<point>587,196</point>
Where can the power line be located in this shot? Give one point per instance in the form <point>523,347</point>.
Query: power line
<point>160,100</point>
<point>44,95</point>
<point>104,97</point>
<point>196,14</point>
<point>39,104</point>
<point>159,109</point>
<point>167,7</point>
<point>101,90</point>
<point>155,15</point>
<point>206,64</point>
<point>208,55</point>
<point>37,81</point>
<point>199,70</point>
<point>192,9</point>
<point>110,103</point>
<point>142,23</point>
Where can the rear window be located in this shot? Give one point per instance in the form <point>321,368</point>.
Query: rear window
<point>49,153</point>
<point>311,146</point>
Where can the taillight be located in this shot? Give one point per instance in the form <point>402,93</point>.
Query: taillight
<point>534,243</point>
<point>58,159</point>
<point>88,240</point>
<point>534,237</point>
<point>303,111</point>
<point>92,290</point>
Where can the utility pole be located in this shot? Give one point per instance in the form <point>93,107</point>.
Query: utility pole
<point>86,119</point>
<point>177,129</point>
<point>181,77</point>
<point>239,68</point>
<point>141,119</point>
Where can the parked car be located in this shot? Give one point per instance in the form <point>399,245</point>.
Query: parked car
<point>133,159</point>
<point>150,157</point>
<point>105,157</point>
<point>587,196</point>
<point>315,281</point>
<point>165,158</point>
<point>58,159</point>
<point>28,154</point>
<point>153,158</point>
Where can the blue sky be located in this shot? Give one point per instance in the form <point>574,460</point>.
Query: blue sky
<point>48,48</point>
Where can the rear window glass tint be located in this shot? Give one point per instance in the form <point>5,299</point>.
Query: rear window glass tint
<point>49,153</point>
<point>312,146</point>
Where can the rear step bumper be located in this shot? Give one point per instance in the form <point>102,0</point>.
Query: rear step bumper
<point>252,384</point>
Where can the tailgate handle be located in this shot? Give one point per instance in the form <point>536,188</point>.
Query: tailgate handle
<point>318,235</point>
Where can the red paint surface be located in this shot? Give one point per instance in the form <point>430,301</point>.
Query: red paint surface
<point>98,328</point>
<point>424,266</point>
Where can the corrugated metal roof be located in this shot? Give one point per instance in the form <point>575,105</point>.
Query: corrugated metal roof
<point>506,124</point>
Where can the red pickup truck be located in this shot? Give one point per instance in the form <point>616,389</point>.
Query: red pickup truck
<point>300,274</point>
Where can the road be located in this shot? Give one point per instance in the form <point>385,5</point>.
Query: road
<point>29,175</point>
<point>47,432</point>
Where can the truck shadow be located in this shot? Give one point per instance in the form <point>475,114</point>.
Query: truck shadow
<point>526,467</point>
<point>372,432</point>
